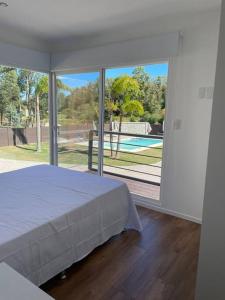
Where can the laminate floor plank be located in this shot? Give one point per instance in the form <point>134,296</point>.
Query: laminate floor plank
<point>158,264</point>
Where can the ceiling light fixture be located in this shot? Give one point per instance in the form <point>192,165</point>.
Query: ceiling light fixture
<point>4,4</point>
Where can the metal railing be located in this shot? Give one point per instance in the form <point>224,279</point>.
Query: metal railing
<point>127,158</point>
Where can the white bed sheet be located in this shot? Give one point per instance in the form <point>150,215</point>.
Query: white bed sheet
<point>51,217</point>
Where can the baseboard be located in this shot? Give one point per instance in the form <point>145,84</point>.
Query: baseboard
<point>156,205</point>
<point>145,201</point>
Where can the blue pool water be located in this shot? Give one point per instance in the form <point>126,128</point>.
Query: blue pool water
<point>135,144</point>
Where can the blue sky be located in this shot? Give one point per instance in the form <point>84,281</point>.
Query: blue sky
<point>82,79</point>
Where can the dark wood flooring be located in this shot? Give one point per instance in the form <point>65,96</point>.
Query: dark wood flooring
<point>158,264</point>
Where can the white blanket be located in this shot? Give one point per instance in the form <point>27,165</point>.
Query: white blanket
<point>51,217</point>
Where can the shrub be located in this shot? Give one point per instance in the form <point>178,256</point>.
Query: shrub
<point>153,118</point>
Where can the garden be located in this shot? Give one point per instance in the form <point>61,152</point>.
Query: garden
<point>136,97</point>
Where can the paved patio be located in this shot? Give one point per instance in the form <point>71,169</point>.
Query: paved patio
<point>7,165</point>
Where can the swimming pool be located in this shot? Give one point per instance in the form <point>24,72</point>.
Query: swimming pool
<point>135,144</point>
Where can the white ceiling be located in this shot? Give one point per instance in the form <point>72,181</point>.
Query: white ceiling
<point>59,25</point>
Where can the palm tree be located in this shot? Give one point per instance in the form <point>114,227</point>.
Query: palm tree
<point>41,88</point>
<point>125,89</point>
<point>128,108</point>
<point>111,107</point>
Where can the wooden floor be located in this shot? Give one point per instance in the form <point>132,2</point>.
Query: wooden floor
<point>143,189</point>
<point>158,264</point>
<point>140,188</point>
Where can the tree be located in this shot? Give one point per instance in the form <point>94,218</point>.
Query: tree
<point>143,79</point>
<point>152,94</point>
<point>156,102</point>
<point>81,105</point>
<point>41,101</point>
<point>110,108</point>
<point>41,88</point>
<point>125,90</point>
<point>13,116</point>
<point>62,86</point>
<point>9,91</point>
<point>26,82</point>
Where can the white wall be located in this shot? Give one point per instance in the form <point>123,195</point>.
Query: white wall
<point>211,272</point>
<point>116,54</point>
<point>186,149</point>
<point>14,56</point>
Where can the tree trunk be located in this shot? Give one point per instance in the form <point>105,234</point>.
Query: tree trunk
<point>27,91</point>
<point>119,136</point>
<point>111,135</point>
<point>38,124</point>
<point>1,117</point>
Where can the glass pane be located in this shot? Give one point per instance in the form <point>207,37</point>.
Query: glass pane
<point>134,118</point>
<point>24,123</point>
<point>78,114</point>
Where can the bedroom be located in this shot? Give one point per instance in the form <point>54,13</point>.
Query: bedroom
<point>132,34</point>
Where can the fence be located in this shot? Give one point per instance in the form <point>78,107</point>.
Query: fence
<point>19,136</point>
<point>134,162</point>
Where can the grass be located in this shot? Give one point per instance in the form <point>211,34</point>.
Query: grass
<point>25,152</point>
<point>78,155</point>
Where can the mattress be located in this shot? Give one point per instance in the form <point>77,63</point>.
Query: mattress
<point>52,217</point>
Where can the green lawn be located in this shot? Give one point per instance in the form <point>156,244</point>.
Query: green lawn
<point>25,152</point>
<point>78,155</point>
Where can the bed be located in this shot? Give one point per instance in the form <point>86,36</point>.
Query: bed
<point>51,217</point>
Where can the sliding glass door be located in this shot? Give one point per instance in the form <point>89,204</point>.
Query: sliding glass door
<point>112,122</point>
<point>24,119</point>
<point>133,126</point>
<point>78,121</point>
